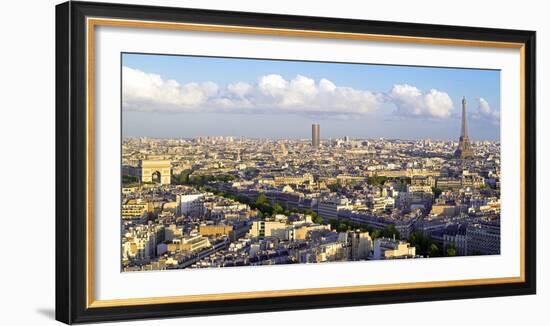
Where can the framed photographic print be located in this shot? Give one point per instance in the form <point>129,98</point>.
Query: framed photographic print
<point>213,162</point>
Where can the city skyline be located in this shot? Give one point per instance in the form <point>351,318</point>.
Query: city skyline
<point>245,162</point>
<point>178,97</point>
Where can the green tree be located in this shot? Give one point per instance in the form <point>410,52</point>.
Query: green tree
<point>262,200</point>
<point>129,179</point>
<point>335,187</point>
<point>342,227</point>
<point>403,182</point>
<point>262,204</point>
<point>183,177</point>
<point>244,199</point>
<point>422,243</point>
<point>433,250</point>
<point>451,252</point>
<point>377,180</point>
<point>333,224</point>
<point>278,209</point>
<point>389,231</point>
<point>317,219</point>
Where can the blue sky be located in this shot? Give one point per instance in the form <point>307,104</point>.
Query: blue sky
<point>185,96</point>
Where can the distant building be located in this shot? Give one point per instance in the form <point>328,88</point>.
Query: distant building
<point>446,183</point>
<point>328,208</point>
<point>385,248</point>
<point>283,150</point>
<point>191,243</point>
<point>191,205</point>
<point>266,228</point>
<point>293,180</point>
<point>134,212</point>
<point>215,230</point>
<point>361,245</point>
<point>445,210</point>
<point>302,231</point>
<point>421,180</point>
<point>345,179</point>
<point>333,251</point>
<point>455,237</point>
<point>194,243</point>
<point>315,135</point>
<point>483,238</point>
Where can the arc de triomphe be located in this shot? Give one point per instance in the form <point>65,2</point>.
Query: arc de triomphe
<point>155,171</point>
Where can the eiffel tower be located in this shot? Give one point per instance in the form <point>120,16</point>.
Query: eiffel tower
<point>464,150</point>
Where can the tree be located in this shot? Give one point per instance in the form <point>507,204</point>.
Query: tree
<point>335,187</point>
<point>342,227</point>
<point>317,219</point>
<point>129,179</point>
<point>262,204</point>
<point>278,209</point>
<point>183,177</point>
<point>243,199</point>
<point>422,243</point>
<point>403,182</point>
<point>389,231</point>
<point>433,250</point>
<point>377,180</point>
<point>451,252</point>
<point>262,200</point>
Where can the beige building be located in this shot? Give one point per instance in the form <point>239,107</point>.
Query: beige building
<point>266,228</point>
<point>334,251</point>
<point>294,180</point>
<point>215,230</point>
<point>155,171</point>
<point>406,173</point>
<point>444,210</point>
<point>301,232</point>
<point>172,232</point>
<point>344,179</point>
<point>361,245</point>
<point>190,243</point>
<point>385,248</point>
<point>195,243</point>
<point>134,211</point>
<point>419,188</point>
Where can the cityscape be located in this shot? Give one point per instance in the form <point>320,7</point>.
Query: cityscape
<point>242,200</point>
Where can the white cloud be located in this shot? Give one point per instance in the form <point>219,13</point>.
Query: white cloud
<point>149,92</point>
<point>410,101</point>
<point>274,94</point>
<point>486,113</point>
<point>239,88</point>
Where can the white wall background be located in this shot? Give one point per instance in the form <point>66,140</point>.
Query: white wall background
<point>27,135</point>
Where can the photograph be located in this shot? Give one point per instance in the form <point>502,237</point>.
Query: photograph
<point>222,161</point>
<point>241,162</point>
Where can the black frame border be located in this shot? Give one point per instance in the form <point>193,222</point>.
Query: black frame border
<point>71,162</point>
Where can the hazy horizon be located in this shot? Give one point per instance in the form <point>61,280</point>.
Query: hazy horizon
<point>236,138</point>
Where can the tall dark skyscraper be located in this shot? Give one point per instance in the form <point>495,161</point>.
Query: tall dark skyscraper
<point>315,135</point>
<point>464,150</point>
